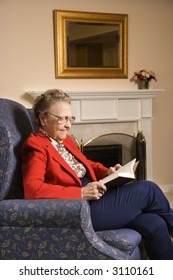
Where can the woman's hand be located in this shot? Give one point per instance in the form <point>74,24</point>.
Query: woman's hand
<point>113,169</point>
<point>93,191</point>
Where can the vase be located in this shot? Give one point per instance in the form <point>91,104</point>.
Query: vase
<point>143,84</point>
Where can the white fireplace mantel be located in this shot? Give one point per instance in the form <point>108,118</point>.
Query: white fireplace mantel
<point>120,106</point>
<point>117,106</point>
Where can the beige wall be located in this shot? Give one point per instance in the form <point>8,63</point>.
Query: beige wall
<point>27,58</point>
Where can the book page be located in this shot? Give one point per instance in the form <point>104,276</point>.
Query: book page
<point>128,170</point>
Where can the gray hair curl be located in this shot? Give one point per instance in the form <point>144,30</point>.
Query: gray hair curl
<point>43,102</point>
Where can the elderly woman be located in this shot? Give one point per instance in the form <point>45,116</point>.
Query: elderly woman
<point>54,167</point>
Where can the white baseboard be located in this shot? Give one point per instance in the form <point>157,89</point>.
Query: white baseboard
<point>167,188</point>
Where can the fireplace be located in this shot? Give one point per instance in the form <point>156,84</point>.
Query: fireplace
<point>121,111</point>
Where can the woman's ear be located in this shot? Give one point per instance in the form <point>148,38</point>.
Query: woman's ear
<point>42,119</point>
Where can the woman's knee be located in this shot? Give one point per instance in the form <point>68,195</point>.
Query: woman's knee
<point>148,184</point>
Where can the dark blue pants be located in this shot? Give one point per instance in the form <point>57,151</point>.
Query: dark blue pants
<point>141,206</point>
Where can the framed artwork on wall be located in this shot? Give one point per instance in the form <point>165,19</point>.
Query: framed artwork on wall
<point>90,45</point>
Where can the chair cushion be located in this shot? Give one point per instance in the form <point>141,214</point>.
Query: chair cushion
<point>124,239</point>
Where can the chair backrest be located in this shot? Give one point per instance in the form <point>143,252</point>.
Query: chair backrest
<point>15,126</point>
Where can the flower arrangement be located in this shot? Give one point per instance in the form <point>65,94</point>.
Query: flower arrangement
<point>144,75</point>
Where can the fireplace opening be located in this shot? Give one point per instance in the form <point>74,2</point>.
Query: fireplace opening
<point>108,155</point>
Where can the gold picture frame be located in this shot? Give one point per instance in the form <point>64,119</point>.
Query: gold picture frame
<point>90,45</point>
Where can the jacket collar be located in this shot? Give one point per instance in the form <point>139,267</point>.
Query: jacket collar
<point>56,156</point>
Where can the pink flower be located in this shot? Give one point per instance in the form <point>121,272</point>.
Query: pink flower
<point>143,74</point>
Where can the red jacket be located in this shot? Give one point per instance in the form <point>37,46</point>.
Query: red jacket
<point>47,175</point>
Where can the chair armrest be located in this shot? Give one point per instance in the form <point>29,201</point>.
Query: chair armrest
<point>62,214</point>
<point>41,212</point>
<point>97,241</point>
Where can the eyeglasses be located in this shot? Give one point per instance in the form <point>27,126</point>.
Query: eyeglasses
<point>63,120</point>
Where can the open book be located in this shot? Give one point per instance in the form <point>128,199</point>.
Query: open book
<point>123,175</point>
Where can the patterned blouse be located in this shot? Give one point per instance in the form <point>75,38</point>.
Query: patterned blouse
<point>77,166</point>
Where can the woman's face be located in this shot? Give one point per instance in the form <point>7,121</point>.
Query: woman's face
<point>57,121</point>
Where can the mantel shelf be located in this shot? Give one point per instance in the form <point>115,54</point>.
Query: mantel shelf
<point>123,93</point>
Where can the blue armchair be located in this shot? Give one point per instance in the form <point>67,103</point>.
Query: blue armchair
<point>47,229</point>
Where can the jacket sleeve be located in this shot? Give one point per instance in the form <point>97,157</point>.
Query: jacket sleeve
<point>99,169</point>
<point>38,179</point>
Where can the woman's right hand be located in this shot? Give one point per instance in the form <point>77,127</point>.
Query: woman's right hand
<point>93,191</point>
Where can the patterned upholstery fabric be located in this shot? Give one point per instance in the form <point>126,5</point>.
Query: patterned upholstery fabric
<point>47,228</point>
<point>15,126</point>
<point>122,239</point>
